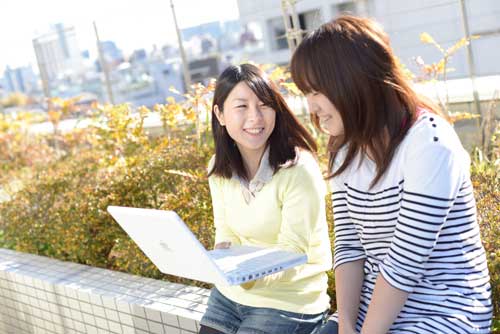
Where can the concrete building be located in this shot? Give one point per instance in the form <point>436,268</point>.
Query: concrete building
<point>20,79</point>
<point>403,20</point>
<point>58,54</point>
<point>112,54</point>
<point>147,82</point>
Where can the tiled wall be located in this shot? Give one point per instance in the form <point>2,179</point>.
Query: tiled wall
<point>42,295</point>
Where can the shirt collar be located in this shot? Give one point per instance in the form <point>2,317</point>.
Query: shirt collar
<point>265,172</point>
<point>264,175</point>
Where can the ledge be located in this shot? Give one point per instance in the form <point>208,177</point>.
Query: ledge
<point>43,295</point>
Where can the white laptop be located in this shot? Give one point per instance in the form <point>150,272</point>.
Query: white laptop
<point>173,248</point>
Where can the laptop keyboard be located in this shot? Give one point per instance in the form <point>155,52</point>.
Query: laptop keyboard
<point>245,263</point>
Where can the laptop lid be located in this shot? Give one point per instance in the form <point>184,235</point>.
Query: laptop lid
<point>168,243</point>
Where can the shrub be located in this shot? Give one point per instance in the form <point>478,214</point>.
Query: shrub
<point>486,187</point>
<point>63,213</point>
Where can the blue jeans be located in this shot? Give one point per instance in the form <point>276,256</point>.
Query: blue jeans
<point>232,318</point>
<point>330,327</point>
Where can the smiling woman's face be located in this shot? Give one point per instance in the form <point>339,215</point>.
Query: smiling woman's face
<point>248,121</point>
<point>328,116</point>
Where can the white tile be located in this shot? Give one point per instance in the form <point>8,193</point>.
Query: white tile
<point>63,300</point>
<point>74,304</point>
<point>126,319</point>
<point>170,319</point>
<point>38,322</point>
<point>37,312</point>
<point>171,330</point>
<point>57,319</point>
<point>122,306</point>
<point>99,311</point>
<point>51,297</point>
<point>79,326</point>
<point>86,307</point>
<point>59,289</point>
<point>128,330</point>
<point>59,329</point>
<point>39,284</point>
<point>76,315</point>
<point>69,323</point>
<point>83,296</point>
<point>39,330</point>
<point>155,327</point>
<point>46,315</point>
<point>49,325</point>
<point>25,299</point>
<point>70,292</point>
<point>153,314</point>
<point>47,285</point>
<point>112,315</point>
<point>140,323</point>
<point>34,302</point>
<point>114,327</point>
<point>89,319</point>
<point>109,302</point>
<point>43,305</point>
<point>89,329</point>
<point>66,311</point>
<point>188,324</point>
<point>138,310</point>
<point>101,323</point>
<point>95,299</point>
<point>187,332</point>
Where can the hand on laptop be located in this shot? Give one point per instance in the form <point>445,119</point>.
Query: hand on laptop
<point>223,245</point>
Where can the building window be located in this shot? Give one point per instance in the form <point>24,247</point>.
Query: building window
<point>347,8</point>
<point>357,7</point>
<point>308,21</point>
<point>278,33</point>
<point>251,37</point>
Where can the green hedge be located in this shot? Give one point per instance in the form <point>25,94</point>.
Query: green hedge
<point>62,214</point>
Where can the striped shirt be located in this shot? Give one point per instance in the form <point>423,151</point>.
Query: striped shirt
<point>417,227</point>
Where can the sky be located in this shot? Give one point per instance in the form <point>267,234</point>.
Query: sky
<point>131,24</point>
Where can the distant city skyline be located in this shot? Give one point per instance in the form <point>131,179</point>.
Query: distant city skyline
<point>131,24</point>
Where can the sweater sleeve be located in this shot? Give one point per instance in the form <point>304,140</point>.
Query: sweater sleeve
<point>432,173</point>
<point>222,231</point>
<point>303,222</point>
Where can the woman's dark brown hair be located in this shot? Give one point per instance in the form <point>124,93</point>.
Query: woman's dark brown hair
<point>350,61</point>
<point>287,134</point>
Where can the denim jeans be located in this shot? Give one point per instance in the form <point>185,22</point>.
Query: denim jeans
<point>232,318</point>
<point>330,327</point>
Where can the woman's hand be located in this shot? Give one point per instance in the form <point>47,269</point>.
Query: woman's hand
<point>223,245</point>
<point>226,245</point>
<point>248,285</point>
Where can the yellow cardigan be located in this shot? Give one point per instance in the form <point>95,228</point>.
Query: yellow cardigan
<point>287,213</point>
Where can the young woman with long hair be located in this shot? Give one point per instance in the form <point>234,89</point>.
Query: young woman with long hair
<point>268,191</point>
<point>407,256</point>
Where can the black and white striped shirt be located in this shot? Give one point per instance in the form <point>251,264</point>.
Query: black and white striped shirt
<point>417,227</point>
